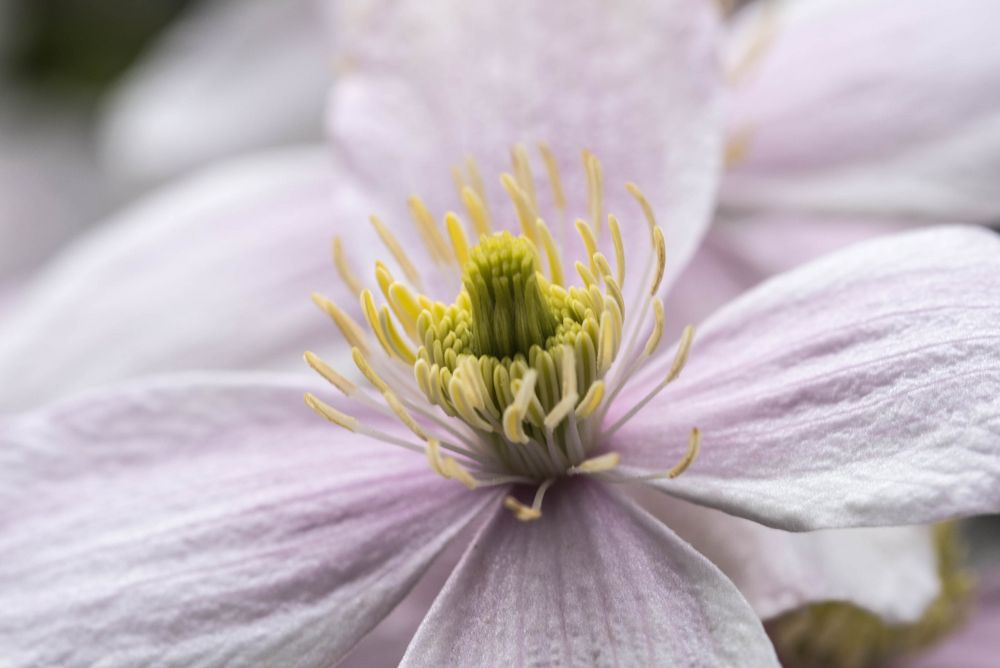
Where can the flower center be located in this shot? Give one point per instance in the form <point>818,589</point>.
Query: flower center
<point>522,365</point>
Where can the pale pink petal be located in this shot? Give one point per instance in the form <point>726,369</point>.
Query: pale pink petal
<point>861,389</point>
<point>230,76</point>
<point>891,571</point>
<point>212,273</point>
<point>595,581</point>
<point>208,522</point>
<point>423,84</point>
<point>739,252</point>
<point>976,644</point>
<point>870,106</point>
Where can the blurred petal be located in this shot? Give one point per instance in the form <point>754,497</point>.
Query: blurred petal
<point>208,521</point>
<point>212,273</point>
<point>231,75</point>
<point>862,389</point>
<point>50,189</point>
<point>976,645</point>
<point>595,581</point>
<point>424,84</point>
<point>871,106</point>
<point>890,571</point>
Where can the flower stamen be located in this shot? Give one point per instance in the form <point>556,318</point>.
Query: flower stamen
<point>515,376</point>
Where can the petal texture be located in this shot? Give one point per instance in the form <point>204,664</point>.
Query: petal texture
<point>232,75</point>
<point>596,582</point>
<point>207,523</point>
<point>423,85</point>
<point>213,273</point>
<point>862,389</point>
<point>871,106</point>
<point>890,571</point>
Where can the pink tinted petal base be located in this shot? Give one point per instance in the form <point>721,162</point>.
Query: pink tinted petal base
<point>860,390</point>
<point>208,521</point>
<point>891,571</point>
<point>595,581</point>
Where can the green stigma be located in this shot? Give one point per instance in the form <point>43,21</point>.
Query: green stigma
<point>841,635</point>
<point>511,311</point>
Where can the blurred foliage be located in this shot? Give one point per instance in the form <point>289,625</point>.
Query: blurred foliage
<point>78,47</point>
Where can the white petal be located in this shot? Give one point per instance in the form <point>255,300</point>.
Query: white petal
<point>208,522</point>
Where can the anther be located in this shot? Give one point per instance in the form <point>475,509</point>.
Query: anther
<point>349,329</point>
<point>534,511</point>
<point>330,413</point>
<point>558,195</point>
<point>599,464</point>
<point>397,250</point>
<point>329,374</point>
<point>343,268</point>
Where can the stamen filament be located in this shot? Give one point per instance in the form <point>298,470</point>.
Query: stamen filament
<point>532,512</point>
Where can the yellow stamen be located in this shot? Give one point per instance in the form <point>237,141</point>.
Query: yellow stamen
<point>526,215</point>
<point>551,253</point>
<point>534,511</point>
<point>616,238</point>
<point>657,333</point>
<point>693,448</point>
<point>558,195</point>
<point>364,367</point>
<point>661,259</point>
<point>343,268</point>
<point>331,413</point>
<point>349,329</point>
<point>680,357</point>
<point>478,212</point>
<point>397,251</point>
<point>522,172</point>
<point>428,229</point>
<point>599,464</point>
<point>595,189</point>
<point>457,235</point>
<point>371,314</point>
<point>647,209</point>
<point>329,374</point>
<point>447,466</point>
<point>591,400</point>
<point>513,417</point>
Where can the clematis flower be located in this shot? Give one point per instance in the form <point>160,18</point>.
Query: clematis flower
<point>214,520</point>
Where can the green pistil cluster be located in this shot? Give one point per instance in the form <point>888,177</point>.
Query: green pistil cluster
<point>841,635</point>
<point>508,323</point>
<point>510,306</point>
